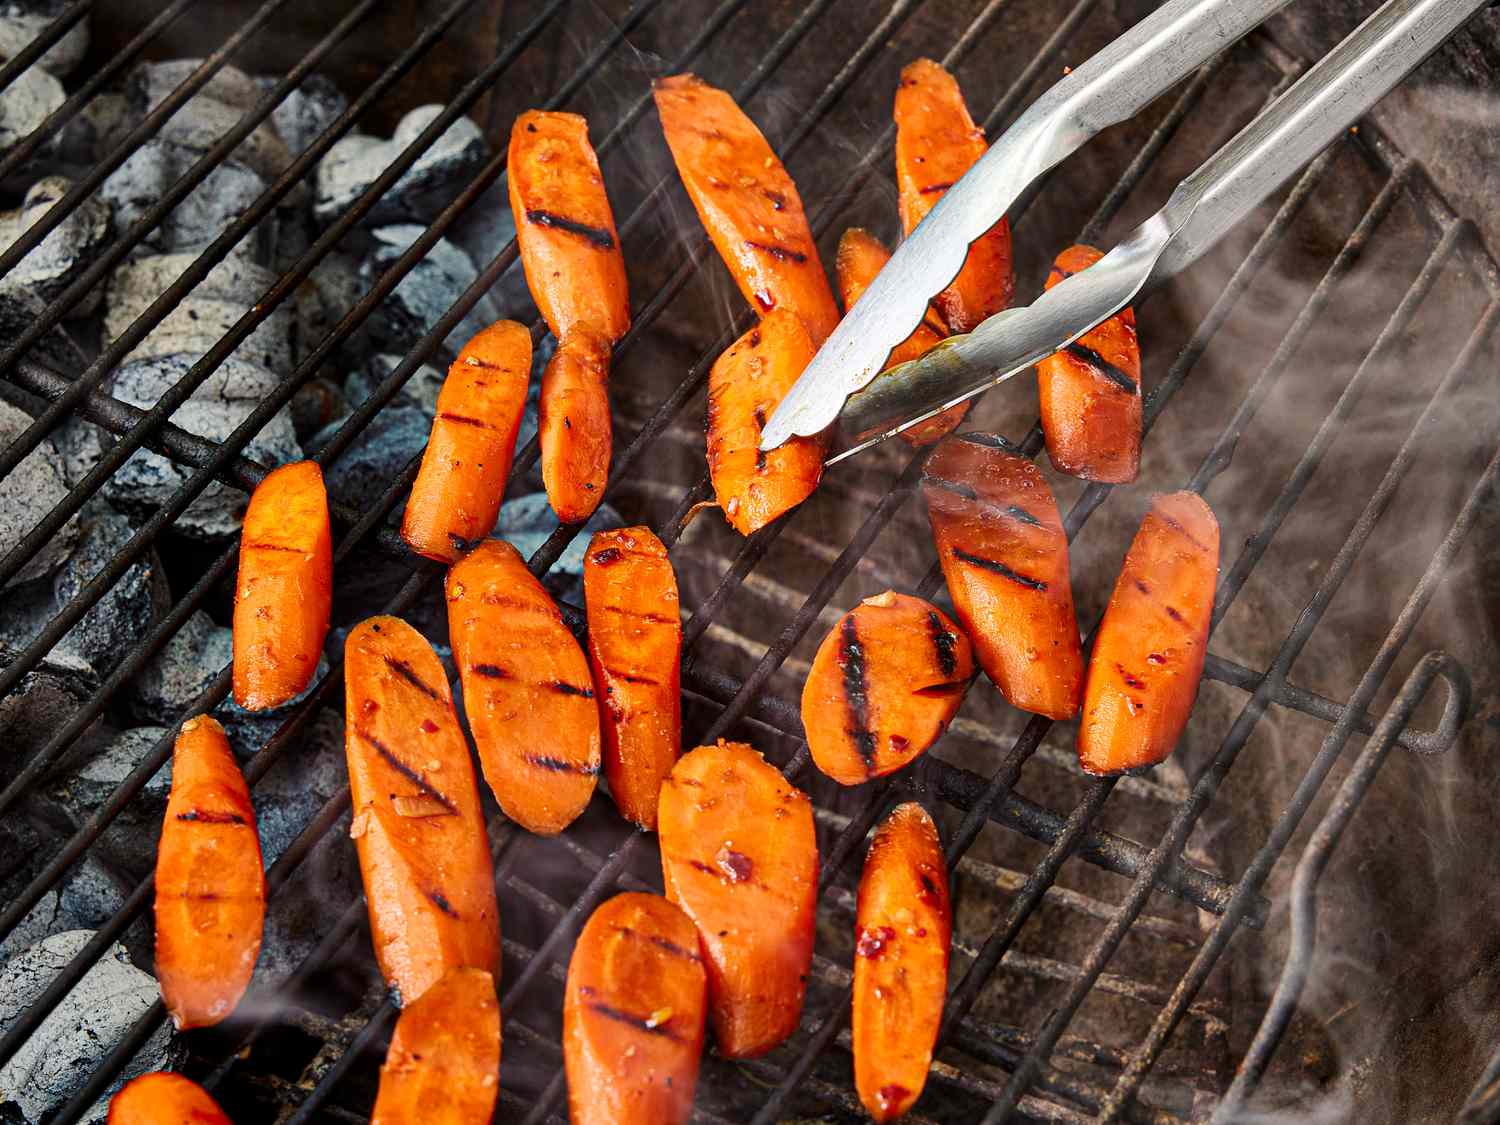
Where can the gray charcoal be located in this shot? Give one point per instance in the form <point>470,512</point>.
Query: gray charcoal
<point>420,391</point>
<point>119,621</point>
<point>181,671</point>
<point>47,697</point>
<point>210,113</point>
<point>28,493</point>
<point>21,21</point>
<point>147,174</point>
<point>82,789</point>
<point>330,291</point>
<point>308,110</point>
<point>482,232</point>
<point>528,521</point>
<point>44,919</point>
<point>97,129</point>
<point>365,470</point>
<point>426,292</point>
<point>81,445</point>
<point>316,404</point>
<point>26,103</point>
<point>92,894</point>
<point>357,161</point>
<point>312,770</point>
<point>67,250</point>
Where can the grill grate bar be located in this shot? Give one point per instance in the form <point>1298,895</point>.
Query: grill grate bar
<point>22,59</point>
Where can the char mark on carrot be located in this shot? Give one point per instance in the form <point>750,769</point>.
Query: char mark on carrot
<point>857,692</point>
<point>442,903</point>
<point>406,770</point>
<point>945,643</point>
<point>204,816</point>
<point>1093,359</point>
<point>489,671</point>
<point>404,670</point>
<point>996,567</point>
<point>780,253</point>
<point>598,236</point>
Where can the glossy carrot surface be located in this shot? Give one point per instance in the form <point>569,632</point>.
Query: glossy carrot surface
<point>574,425</point>
<point>163,1098</point>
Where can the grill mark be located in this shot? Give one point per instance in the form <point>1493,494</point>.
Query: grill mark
<point>404,670</point>
<point>607,555</point>
<point>596,235</point>
<point>760,425</point>
<point>1177,526</point>
<point>933,188</point>
<point>856,693</point>
<point>442,903</point>
<point>999,568</point>
<point>952,486</point>
<point>561,765</point>
<point>1142,587</point>
<point>489,671</point>
<point>654,618</point>
<point>631,678</point>
<point>1102,366</point>
<point>673,948</point>
<point>270,547</point>
<point>562,687</point>
<point>463,419</point>
<point>1015,511</point>
<point>944,642</point>
<point>1174,613</point>
<point>640,1023</point>
<point>989,441</point>
<point>780,253</point>
<point>414,776</point>
<point>202,816</point>
<point>1130,678</point>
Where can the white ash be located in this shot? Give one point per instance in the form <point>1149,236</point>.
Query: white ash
<point>149,172</point>
<point>419,391</point>
<point>31,490</point>
<point>97,764</point>
<point>69,248</point>
<point>117,624</point>
<point>307,111</point>
<point>181,671</point>
<point>95,130</point>
<point>22,21</point>
<point>81,445</point>
<point>330,290</point>
<point>424,295</point>
<point>482,232</point>
<point>28,101</point>
<point>209,114</point>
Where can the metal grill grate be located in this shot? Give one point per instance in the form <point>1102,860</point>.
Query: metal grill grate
<point>299,1056</point>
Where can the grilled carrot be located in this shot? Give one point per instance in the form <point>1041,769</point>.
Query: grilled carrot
<point>210,886</point>
<point>164,1099</point>
<point>1148,654</point>
<point>902,929</point>
<point>746,201</point>
<point>884,685</point>
<point>1005,559</point>
<point>635,645</point>
<point>1090,392</point>
<point>633,1015</point>
<point>936,143</point>
<point>740,856</point>
<point>457,493</point>
<point>417,823</point>
<point>861,257</point>
<point>285,587</point>
<point>574,426</point>
<point>443,1065</point>
<point>527,689</point>
<point>744,387</point>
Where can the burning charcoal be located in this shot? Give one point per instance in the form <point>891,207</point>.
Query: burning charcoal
<point>65,253</point>
<point>119,621</point>
<point>365,470</point>
<point>136,186</point>
<point>527,522</point>
<point>28,493</point>
<point>21,21</point>
<point>424,294</point>
<point>210,113</point>
<point>306,111</point>
<point>438,175</point>
<point>180,672</point>
<point>92,1018</point>
<point>26,103</point>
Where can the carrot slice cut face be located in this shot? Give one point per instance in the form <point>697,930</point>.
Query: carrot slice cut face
<point>861,257</point>
<point>285,587</point>
<point>417,824</point>
<point>746,201</point>
<point>443,1064</point>
<point>884,685</point>
<point>635,650</point>
<point>745,385</point>
<point>574,425</point>
<point>936,143</point>
<point>1005,558</point>
<point>210,885</point>
<point>164,1099</point>
<point>740,856</point>
<point>527,689</point>
<point>1148,655</point>
<point>1090,392</point>
<point>902,931</point>
<point>456,496</point>
<point>633,1015</point>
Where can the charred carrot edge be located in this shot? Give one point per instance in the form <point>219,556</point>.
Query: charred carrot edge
<point>1004,554</point>
<point>1090,392</point>
<point>633,1015</point>
<point>740,857</point>
<point>285,587</point>
<point>417,823</point>
<point>574,425</point>
<point>443,1065</point>
<point>861,256</point>
<point>745,385</point>
<point>746,201</point>
<point>1148,654</point>
<point>456,496</point>
<point>210,885</point>
<point>884,685</point>
<point>936,143</point>
<point>635,650</point>
<point>902,931</point>
<point>164,1099</point>
<point>527,689</point>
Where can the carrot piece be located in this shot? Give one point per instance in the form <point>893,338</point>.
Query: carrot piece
<point>746,201</point>
<point>633,1015</point>
<point>210,885</point>
<point>443,1064</point>
<point>284,593</point>
<point>456,496</point>
<point>1005,559</point>
<point>423,851</point>
<point>635,649</point>
<point>740,856</point>
<point>574,425</point>
<point>163,1098</point>
<point>902,930</point>
<point>861,257</point>
<point>884,685</point>
<point>936,143</point>
<point>745,385</point>
<point>1090,392</point>
<point>527,689</point>
<point>1148,655</point>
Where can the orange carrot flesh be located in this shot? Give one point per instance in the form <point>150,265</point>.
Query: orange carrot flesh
<point>574,425</point>
<point>936,143</point>
<point>527,689</point>
<point>1004,554</point>
<point>635,650</point>
<point>456,496</point>
<point>633,1015</point>
<point>285,587</point>
<point>861,257</point>
<point>164,1099</point>
<point>902,931</point>
<point>1148,654</point>
<point>745,385</point>
<point>1090,392</point>
<point>740,856</point>
<point>746,201</point>
<point>210,885</point>
<point>417,823</point>
<point>884,685</point>
<point>443,1065</point>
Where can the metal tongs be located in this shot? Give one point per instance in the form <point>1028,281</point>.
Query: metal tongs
<point>841,382</point>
